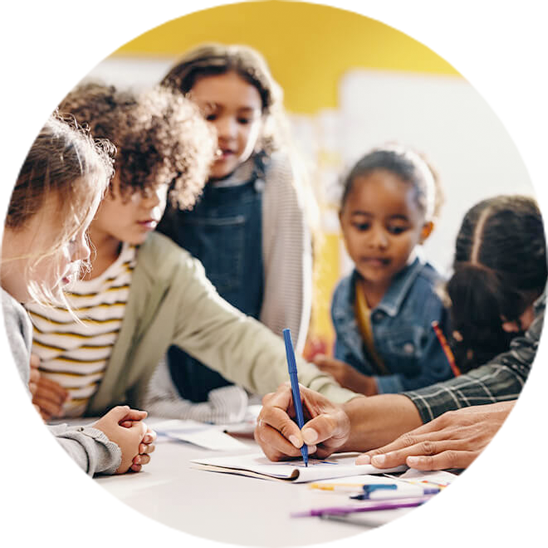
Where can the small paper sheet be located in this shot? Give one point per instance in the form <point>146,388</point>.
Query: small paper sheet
<point>257,465</point>
<point>198,433</point>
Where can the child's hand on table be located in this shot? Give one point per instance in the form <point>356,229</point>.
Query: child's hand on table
<point>346,375</point>
<point>125,427</point>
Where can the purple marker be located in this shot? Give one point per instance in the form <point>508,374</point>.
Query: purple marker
<point>369,507</point>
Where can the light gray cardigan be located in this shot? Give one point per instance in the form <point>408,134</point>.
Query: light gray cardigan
<point>31,459</point>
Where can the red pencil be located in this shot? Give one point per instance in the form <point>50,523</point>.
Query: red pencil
<point>446,349</point>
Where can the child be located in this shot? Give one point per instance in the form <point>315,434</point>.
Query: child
<point>499,271</point>
<point>383,311</point>
<point>249,228</point>
<point>144,293</point>
<point>56,195</point>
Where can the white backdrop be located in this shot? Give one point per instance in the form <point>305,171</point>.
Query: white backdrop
<point>486,137</point>
<point>33,75</point>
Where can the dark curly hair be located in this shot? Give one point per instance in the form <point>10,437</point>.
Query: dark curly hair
<point>160,137</point>
<point>499,268</point>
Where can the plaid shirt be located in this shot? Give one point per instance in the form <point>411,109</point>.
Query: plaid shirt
<point>499,380</point>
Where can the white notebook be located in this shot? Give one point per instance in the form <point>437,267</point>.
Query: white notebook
<point>257,465</point>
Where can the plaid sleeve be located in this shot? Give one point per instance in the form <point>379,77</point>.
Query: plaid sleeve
<point>499,380</point>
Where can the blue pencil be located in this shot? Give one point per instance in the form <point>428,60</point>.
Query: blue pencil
<point>297,403</point>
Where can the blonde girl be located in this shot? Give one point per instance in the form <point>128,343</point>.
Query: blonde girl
<point>44,245</point>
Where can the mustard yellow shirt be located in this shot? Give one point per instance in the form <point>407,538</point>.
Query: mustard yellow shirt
<point>363,317</point>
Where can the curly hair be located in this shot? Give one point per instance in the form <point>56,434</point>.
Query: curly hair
<point>161,137</point>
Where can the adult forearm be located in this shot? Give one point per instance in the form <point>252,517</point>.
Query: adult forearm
<point>378,420</point>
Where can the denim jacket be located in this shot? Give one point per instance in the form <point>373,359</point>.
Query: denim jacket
<point>402,330</point>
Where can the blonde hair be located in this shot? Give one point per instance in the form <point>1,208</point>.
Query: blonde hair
<point>160,137</point>
<point>66,163</point>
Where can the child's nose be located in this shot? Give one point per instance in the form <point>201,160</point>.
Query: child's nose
<point>82,251</point>
<point>226,128</point>
<point>378,238</point>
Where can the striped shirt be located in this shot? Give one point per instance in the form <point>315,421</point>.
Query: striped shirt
<point>75,354</point>
<point>499,380</point>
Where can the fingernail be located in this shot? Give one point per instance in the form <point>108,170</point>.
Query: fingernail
<point>310,436</point>
<point>413,461</point>
<point>378,459</point>
<point>311,449</point>
<point>295,441</point>
<point>363,459</point>
<point>137,460</point>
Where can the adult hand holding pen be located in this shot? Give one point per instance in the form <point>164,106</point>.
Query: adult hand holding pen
<point>326,430</point>
<point>453,440</point>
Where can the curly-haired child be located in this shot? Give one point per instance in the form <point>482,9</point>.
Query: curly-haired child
<point>143,292</point>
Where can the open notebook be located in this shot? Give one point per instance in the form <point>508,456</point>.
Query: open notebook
<point>258,466</point>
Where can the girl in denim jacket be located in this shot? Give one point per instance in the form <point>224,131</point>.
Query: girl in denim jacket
<point>383,312</point>
<point>249,228</point>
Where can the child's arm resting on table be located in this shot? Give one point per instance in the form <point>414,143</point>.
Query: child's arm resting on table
<point>33,460</point>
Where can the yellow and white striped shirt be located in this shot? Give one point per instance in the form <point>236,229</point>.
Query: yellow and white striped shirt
<point>75,354</point>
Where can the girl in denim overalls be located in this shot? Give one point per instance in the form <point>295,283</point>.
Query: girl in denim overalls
<point>248,228</point>
<point>383,311</point>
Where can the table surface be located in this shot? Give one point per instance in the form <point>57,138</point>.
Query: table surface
<point>170,504</point>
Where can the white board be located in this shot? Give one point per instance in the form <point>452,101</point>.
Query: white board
<point>486,137</point>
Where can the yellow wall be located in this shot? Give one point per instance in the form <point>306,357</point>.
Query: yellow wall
<point>309,43</point>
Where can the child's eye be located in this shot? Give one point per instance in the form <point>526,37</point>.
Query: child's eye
<point>397,229</point>
<point>361,226</point>
<point>211,117</point>
<point>244,121</point>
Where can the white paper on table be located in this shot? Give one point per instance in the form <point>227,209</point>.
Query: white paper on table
<point>257,465</point>
<point>441,477</point>
<point>198,433</point>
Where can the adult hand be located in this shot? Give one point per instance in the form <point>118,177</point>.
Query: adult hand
<point>452,440</point>
<point>124,427</point>
<point>346,375</point>
<point>49,396</point>
<point>36,419</point>
<point>326,430</point>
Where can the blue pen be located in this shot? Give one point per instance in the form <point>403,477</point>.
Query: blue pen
<point>292,366</point>
<point>520,486</point>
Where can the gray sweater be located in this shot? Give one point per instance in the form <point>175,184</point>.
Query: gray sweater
<point>30,459</point>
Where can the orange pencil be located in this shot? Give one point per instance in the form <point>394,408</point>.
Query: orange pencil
<point>446,349</point>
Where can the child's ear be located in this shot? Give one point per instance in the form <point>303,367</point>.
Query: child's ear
<point>426,231</point>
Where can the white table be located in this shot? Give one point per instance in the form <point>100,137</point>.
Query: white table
<point>171,505</point>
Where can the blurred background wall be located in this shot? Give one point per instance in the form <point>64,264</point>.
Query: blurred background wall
<point>350,83</point>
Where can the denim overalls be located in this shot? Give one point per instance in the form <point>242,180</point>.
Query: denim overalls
<point>223,231</point>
